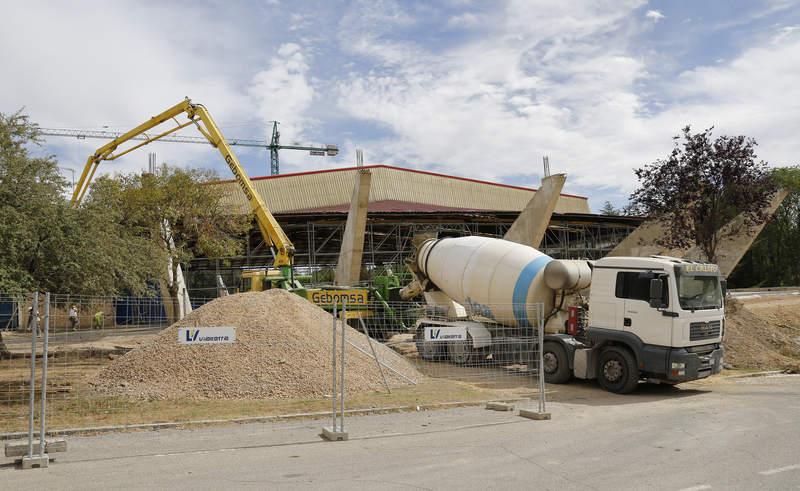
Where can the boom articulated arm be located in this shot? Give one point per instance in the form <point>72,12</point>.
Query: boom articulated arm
<point>198,115</point>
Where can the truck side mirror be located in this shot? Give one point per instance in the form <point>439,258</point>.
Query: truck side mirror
<point>656,292</point>
<point>724,285</point>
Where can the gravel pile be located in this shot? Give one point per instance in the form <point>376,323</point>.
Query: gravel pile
<point>283,351</point>
<point>763,332</point>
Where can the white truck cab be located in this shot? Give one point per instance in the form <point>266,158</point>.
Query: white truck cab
<point>666,315</point>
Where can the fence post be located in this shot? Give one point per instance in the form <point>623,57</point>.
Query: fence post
<point>541,413</point>
<point>336,432</point>
<point>34,326</point>
<point>540,371</point>
<point>341,388</point>
<point>333,369</point>
<point>31,461</point>
<point>43,410</point>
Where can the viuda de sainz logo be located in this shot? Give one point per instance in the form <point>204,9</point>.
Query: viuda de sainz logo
<point>201,335</point>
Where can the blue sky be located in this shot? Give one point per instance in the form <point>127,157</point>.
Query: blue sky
<point>472,88</point>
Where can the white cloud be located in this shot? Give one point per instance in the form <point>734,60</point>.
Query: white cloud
<point>654,15</point>
<point>561,79</point>
<point>282,92</point>
<point>463,21</point>
<point>116,64</point>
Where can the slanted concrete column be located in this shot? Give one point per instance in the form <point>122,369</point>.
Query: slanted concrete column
<point>531,224</point>
<point>738,237</point>
<point>643,242</point>
<point>348,270</point>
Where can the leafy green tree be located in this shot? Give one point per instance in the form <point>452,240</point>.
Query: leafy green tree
<point>701,186</point>
<point>180,215</point>
<point>774,258</point>
<point>49,245</point>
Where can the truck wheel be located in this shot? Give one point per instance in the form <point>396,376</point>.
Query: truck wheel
<point>459,352</point>
<point>617,371</point>
<point>556,364</point>
<point>427,350</point>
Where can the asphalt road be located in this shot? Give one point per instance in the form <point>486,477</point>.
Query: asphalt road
<point>733,434</point>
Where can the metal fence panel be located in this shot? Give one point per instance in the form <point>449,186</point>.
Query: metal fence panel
<point>102,372</point>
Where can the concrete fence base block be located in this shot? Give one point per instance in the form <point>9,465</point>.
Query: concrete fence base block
<point>20,448</point>
<point>526,413</point>
<point>499,406</point>
<point>334,436</point>
<point>35,462</point>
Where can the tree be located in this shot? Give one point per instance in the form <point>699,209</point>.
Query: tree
<point>45,243</point>
<point>701,186</point>
<point>179,215</point>
<point>774,258</point>
<point>609,210</point>
<point>49,245</point>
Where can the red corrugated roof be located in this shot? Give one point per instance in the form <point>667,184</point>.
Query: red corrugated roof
<point>377,166</point>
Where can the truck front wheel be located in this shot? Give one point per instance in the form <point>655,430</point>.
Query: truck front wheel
<point>556,364</point>
<point>617,371</point>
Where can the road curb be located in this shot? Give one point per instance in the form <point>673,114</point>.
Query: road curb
<point>755,374</point>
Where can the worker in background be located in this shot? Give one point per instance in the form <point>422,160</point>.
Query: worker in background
<point>33,322</point>
<point>74,321</point>
<point>98,320</point>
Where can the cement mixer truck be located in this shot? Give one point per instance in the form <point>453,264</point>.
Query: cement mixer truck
<point>619,320</point>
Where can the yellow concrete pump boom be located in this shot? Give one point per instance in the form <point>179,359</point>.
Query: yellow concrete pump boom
<point>198,115</point>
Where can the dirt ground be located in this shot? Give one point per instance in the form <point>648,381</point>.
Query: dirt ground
<point>763,332</point>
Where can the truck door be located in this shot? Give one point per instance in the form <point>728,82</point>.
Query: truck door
<point>639,318</point>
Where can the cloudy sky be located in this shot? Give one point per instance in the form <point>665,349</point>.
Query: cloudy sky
<point>481,89</point>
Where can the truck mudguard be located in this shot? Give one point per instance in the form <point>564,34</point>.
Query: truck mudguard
<point>650,358</point>
<point>569,343</point>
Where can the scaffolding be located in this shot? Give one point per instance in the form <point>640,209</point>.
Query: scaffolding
<point>388,242</point>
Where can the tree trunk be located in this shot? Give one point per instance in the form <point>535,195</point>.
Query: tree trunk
<point>176,302</point>
<point>4,354</point>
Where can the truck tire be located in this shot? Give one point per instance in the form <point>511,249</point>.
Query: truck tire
<point>556,364</point>
<point>617,371</point>
<point>459,352</point>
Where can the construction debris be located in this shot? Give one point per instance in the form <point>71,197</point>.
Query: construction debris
<point>282,351</point>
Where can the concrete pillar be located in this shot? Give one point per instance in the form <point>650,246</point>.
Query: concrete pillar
<point>738,238</point>
<point>642,242</point>
<point>531,224</point>
<point>348,270</point>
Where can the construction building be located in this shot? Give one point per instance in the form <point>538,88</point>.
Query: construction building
<point>312,209</point>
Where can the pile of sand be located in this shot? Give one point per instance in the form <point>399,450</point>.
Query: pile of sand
<point>763,332</point>
<point>282,351</point>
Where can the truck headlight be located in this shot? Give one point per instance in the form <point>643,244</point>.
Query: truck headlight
<point>678,365</point>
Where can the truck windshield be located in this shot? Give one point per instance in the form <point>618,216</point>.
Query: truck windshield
<point>699,292</point>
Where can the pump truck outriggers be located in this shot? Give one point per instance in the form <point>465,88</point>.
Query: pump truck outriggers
<point>361,301</point>
<point>619,320</point>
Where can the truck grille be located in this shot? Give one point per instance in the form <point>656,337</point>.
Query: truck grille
<point>703,330</point>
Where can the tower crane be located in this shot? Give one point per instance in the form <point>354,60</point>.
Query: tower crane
<point>273,145</point>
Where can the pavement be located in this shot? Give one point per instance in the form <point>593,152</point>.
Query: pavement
<point>713,434</point>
